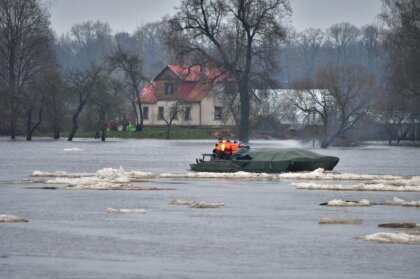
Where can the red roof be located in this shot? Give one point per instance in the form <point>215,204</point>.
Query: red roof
<point>196,82</point>
<point>147,95</point>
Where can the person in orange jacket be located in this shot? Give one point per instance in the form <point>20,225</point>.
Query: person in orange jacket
<point>234,146</point>
<point>227,149</point>
<point>217,151</point>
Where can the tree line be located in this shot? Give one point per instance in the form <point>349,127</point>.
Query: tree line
<point>88,76</point>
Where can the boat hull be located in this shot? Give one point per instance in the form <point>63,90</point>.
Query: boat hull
<point>270,161</point>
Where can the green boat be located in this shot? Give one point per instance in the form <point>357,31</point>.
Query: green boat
<point>267,160</point>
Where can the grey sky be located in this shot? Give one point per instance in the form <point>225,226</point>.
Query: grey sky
<point>127,15</point>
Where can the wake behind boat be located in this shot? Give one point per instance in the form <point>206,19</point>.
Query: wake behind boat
<point>267,160</point>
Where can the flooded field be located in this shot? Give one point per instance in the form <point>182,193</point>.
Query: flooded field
<point>247,225</point>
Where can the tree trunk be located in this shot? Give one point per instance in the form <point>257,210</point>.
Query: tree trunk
<point>56,121</point>
<point>56,135</point>
<point>12,87</point>
<point>103,124</point>
<point>244,124</point>
<point>140,125</point>
<point>73,129</point>
<point>168,130</point>
<point>13,119</point>
<point>28,125</point>
<point>325,143</point>
<point>75,120</point>
<point>75,123</point>
<point>30,130</point>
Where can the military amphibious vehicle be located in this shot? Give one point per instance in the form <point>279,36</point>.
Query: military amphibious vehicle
<point>267,160</point>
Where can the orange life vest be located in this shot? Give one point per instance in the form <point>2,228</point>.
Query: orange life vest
<point>219,146</point>
<point>234,147</point>
<point>228,147</point>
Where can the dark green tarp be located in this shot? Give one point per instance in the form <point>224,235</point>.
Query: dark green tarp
<point>281,160</point>
<point>269,160</point>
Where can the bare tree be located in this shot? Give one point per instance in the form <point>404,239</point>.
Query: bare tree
<point>131,68</point>
<point>172,113</point>
<point>309,43</point>
<point>315,105</point>
<point>33,101</point>
<point>83,84</point>
<point>150,39</point>
<point>344,99</point>
<point>371,43</point>
<point>393,110</point>
<point>106,101</point>
<point>24,35</point>
<point>402,41</point>
<point>235,35</point>
<point>55,99</point>
<point>342,37</point>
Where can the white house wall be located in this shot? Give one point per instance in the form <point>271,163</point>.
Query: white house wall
<point>205,109</point>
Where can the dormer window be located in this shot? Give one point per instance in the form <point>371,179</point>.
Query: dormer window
<point>169,88</point>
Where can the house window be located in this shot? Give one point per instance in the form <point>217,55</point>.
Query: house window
<point>187,113</point>
<point>145,113</point>
<point>174,113</point>
<point>169,88</point>
<point>160,113</point>
<point>217,113</point>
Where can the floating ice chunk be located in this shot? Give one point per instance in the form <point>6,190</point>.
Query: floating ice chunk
<point>383,237</point>
<point>237,175</point>
<point>413,181</point>
<point>206,205</point>
<point>126,210</point>
<point>338,202</point>
<point>197,204</point>
<point>73,149</point>
<point>398,201</point>
<point>5,218</point>
<point>318,174</point>
<point>339,220</point>
<point>356,187</point>
<point>114,175</point>
<point>140,174</point>
<point>398,225</point>
<point>103,179</point>
<point>181,202</point>
<point>321,174</point>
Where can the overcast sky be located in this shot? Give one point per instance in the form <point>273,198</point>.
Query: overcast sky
<point>127,15</point>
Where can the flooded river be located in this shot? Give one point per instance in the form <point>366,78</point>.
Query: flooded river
<point>267,228</point>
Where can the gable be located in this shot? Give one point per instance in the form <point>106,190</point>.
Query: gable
<point>167,74</point>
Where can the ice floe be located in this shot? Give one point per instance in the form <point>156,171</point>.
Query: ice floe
<point>120,178</point>
<point>401,202</point>
<point>321,174</point>
<point>73,149</point>
<point>206,205</point>
<point>197,204</point>
<point>357,187</point>
<point>338,202</point>
<point>103,179</point>
<point>339,220</point>
<point>126,210</point>
<point>318,174</point>
<point>227,175</point>
<point>5,218</point>
<point>402,238</point>
<point>181,202</point>
<point>398,225</point>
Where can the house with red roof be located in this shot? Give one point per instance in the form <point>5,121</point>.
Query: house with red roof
<point>191,96</point>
